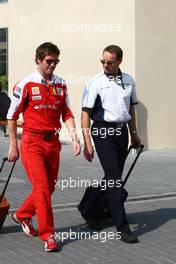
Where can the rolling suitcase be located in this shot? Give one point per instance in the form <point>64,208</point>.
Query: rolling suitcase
<point>4,204</point>
<point>94,206</point>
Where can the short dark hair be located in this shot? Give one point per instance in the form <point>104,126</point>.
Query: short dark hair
<point>44,49</point>
<point>114,49</point>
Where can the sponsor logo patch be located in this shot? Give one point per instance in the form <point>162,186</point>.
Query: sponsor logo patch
<point>35,90</point>
<point>126,86</point>
<point>47,106</point>
<point>36,107</point>
<point>56,91</point>
<point>17,90</point>
<point>36,97</point>
<point>16,95</point>
<point>59,91</point>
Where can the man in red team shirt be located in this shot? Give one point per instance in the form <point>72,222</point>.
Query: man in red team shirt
<point>42,99</point>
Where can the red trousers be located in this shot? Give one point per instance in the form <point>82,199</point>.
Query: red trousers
<point>40,159</point>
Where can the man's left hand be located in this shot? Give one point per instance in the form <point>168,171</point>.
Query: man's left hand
<point>135,140</point>
<point>76,147</point>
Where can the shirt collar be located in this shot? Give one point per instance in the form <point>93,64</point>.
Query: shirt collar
<point>42,80</point>
<point>118,76</point>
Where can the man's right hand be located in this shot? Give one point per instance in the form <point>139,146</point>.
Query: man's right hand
<point>13,153</point>
<point>88,152</point>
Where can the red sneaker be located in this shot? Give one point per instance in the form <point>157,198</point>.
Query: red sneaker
<point>50,244</point>
<point>26,225</point>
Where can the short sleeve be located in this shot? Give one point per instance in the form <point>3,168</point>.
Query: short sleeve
<point>18,100</point>
<point>89,95</point>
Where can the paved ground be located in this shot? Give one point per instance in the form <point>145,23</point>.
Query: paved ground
<point>151,209</point>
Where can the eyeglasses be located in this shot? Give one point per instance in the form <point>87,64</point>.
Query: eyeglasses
<point>109,63</point>
<point>49,62</point>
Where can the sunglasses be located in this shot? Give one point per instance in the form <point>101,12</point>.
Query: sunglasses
<point>49,62</point>
<point>109,63</point>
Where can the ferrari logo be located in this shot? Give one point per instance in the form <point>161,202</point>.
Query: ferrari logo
<point>54,91</point>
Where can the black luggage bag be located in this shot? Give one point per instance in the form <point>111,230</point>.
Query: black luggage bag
<point>4,204</point>
<point>94,205</point>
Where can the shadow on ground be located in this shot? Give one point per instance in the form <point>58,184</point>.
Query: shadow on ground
<point>141,222</point>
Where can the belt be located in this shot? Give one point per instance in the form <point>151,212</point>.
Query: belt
<point>112,124</point>
<point>46,136</point>
<point>49,136</point>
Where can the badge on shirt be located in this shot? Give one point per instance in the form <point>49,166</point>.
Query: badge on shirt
<point>16,95</point>
<point>36,107</point>
<point>54,91</point>
<point>59,91</point>
<point>17,92</point>
<point>35,90</point>
<point>36,97</point>
<point>126,86</point>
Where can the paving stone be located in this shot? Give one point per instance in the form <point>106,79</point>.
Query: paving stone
<point>154,221</point>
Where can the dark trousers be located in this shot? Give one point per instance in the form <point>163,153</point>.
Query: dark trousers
<point>111,144</point>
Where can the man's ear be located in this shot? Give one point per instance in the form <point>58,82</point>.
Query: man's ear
<point>120,60</point>
<point>38,61</point>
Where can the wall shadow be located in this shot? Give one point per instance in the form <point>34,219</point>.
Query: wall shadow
<point>142,123</point>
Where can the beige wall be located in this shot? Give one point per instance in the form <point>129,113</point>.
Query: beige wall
<point>145,29</point>
<point>155,71</point>
<point>33,22</point>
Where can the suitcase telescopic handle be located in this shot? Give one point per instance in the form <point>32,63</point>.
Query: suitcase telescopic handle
<point>140,148</point>
<point>8,179</point>
<point>3,161</point>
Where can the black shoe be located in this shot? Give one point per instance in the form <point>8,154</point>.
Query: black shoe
<point>128,237</point>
